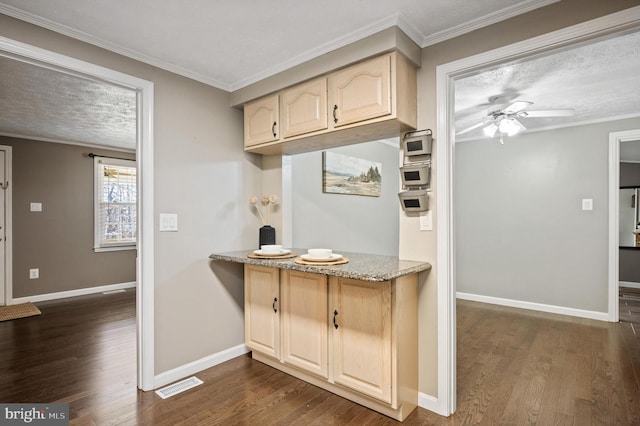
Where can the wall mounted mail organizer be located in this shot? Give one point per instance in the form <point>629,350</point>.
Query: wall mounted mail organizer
<point>416,170</point>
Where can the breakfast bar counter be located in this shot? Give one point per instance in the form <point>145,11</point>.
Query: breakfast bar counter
<point>348,325</point>
<point>366,267</point>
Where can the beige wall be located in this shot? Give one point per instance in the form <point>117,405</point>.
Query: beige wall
<point>201,173</point>
<point>59,240</point>
<point>422,245</point>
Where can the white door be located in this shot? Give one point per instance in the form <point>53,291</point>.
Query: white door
<point>3,203</point>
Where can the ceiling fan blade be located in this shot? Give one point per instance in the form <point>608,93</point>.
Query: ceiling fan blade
<point>549,113</point>
<point>468,129</point>
<point>519,124</point>
<point>516,107</point>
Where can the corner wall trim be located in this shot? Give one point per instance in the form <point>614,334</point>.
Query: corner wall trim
<point>562,310</point>
<point>71,293</point>
<point>430,403</point>
<point>196,366</point>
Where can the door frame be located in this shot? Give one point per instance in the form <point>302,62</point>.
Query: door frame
<point>446,75</point>
<point>7,291</point>
<point>144,153</point>
<point>615,139</point>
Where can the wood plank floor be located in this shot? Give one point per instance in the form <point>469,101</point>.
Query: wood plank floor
<point>514,367</point>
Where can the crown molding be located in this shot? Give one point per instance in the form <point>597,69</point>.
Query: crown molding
<point>396,19</point>
<point>110,147</point>
<point>484,21</point>
<point>330,46</point>
<point>112,47</point>
<point>561,126</point>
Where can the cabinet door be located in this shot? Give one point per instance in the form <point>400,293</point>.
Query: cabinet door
<point>360,92</point>
<point>262,309</point>
<point>304,108</point>
<point>261,121</point>
<point>362,336</point>
<point>304,321</point>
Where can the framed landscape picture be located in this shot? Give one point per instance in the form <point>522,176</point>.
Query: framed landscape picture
<point>343,174</point>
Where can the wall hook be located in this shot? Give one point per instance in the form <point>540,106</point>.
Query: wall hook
<point>4,185</point>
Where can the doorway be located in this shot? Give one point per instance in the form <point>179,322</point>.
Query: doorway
<point>6,271</point>
<point>624,253</point>
<point>144,144</point>
<point>446,76</point>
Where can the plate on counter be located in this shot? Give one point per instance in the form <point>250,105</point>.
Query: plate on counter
<point>334,257</point>
<point>282,252</point>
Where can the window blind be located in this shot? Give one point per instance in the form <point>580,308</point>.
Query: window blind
<point>115,208</point>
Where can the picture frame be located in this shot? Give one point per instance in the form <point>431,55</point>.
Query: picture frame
<point>347,175</point>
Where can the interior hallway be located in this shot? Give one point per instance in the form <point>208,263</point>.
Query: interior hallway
<point>514,367</point>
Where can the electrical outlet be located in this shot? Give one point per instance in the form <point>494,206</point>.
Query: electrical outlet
<point>35,207</point>
<point>34,273</point>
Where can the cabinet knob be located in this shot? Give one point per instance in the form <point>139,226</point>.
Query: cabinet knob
<point>335,117</point>
<point>335,324</point>
<point>273,129</point>
<point>275,300</point>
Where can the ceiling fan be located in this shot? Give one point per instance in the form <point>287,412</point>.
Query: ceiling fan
<point>506,120</point>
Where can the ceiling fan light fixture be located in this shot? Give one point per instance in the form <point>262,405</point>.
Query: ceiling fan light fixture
<point>490,130</point>
<point>508,126</point>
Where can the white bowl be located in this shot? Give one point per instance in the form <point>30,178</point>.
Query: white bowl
<point>319,253</point>
<point>271,248</point>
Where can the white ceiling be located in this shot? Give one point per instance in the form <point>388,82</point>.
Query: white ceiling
<point>232,43</point>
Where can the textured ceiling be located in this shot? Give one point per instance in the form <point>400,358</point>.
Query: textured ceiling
<point>41,103</point>
<point>232,43</point>
<point>600,81</point>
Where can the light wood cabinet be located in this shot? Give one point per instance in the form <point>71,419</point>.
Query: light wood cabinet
<point>304,108</point>
<point>261,121</point>
<point>362,336</point>
<point>262,309</point>
<point>361,92</point>
<point>373,99</point>
<point>304,321</point>
<point>357,339</point>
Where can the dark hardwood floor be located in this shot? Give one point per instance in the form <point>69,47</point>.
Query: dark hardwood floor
<point>514,367</point>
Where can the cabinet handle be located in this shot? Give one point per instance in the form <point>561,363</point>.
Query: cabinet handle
<point>273,129</point>
<point>275,300</point>
<point>335,118</point>
<point>335,324</point>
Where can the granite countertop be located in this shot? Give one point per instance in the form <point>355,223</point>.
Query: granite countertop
<point>367,267</point>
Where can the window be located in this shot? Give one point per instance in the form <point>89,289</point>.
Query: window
<point>115,204</point>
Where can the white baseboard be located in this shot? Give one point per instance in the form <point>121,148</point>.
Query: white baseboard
<point>600,316</point>
<point>430,403</point>
<point>194,367</point>
<point>70,293</point>
<point>628,284</point>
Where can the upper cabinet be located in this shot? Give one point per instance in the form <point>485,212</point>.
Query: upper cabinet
<point>361,92</point>
<point>261,121</point>
<point>304,108</point>
<point>373,99</point>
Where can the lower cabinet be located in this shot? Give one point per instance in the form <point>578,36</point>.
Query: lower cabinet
<point>355,338</point>
<point>261,309</point>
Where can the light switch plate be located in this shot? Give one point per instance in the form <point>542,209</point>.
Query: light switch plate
<point>36,207</point>
<point>426,221</point>
<point>587,204</point>
<point>168,222</point>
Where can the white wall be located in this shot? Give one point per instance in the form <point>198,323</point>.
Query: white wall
<point>521,233</point>
<point>346,222</point>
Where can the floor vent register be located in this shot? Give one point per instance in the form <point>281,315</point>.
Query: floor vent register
<point>178,387</point>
